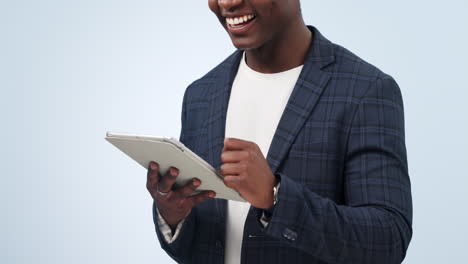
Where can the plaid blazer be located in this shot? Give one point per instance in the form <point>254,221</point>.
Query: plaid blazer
<point>339,150</point>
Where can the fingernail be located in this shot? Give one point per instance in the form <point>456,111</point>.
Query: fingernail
<point>153,166</point>
<point>196,182</point>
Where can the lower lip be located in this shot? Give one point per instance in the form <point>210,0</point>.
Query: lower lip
<point>241,29</point>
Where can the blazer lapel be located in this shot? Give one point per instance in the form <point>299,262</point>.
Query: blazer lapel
<point>303,99</point>
<point>220,91</point>
<point>219,99</point>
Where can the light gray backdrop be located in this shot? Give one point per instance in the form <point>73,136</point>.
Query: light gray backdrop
<point>71,70</point>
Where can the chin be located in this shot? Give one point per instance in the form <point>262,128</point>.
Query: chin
<point>244,44</point>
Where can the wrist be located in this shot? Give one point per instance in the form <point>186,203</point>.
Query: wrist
<point>172,223</point>
<point>273,196</point>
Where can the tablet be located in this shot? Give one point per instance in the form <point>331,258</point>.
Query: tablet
<point>169,152</point>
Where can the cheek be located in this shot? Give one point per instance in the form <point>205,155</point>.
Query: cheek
<point>213,5</point>
<point>267,13</point>
<point>265,7</point>
<point>275,8</point>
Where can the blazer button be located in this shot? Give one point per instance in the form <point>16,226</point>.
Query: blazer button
<point>289,234</point>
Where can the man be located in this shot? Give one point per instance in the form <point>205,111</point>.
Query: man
<point>309,134</point>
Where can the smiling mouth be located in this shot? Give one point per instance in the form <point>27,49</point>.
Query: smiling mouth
<point>238,22</point>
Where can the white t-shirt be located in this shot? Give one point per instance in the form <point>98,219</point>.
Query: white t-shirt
<point>256,105</point>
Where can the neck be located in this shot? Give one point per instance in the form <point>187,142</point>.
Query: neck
<point>283,53</point>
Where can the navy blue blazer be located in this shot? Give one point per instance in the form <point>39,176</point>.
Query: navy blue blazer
<point>339,150</point>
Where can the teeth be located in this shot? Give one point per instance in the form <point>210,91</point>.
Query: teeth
<point>239,20</point>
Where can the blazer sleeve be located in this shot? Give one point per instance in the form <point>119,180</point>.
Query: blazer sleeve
<point>375,223</point>
<point>181,248</point>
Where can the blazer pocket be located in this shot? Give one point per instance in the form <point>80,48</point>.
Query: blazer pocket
<point>314,150</point>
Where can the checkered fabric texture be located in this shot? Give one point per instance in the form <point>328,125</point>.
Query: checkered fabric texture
<point>339,150</point>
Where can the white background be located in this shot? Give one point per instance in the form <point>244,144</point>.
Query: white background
<point>72,70</point>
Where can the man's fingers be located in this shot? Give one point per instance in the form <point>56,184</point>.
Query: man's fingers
<point>234,156</point>
<point>168,180</point>
<point>152,177</point>
<point>237,144</point>
<point>200,197</point>
<point>232,181</point>
<point>232,168</point>
<point>189,188</point>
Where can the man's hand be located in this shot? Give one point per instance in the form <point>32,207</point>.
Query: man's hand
<point>177,204</point>
<point>246,170</point>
